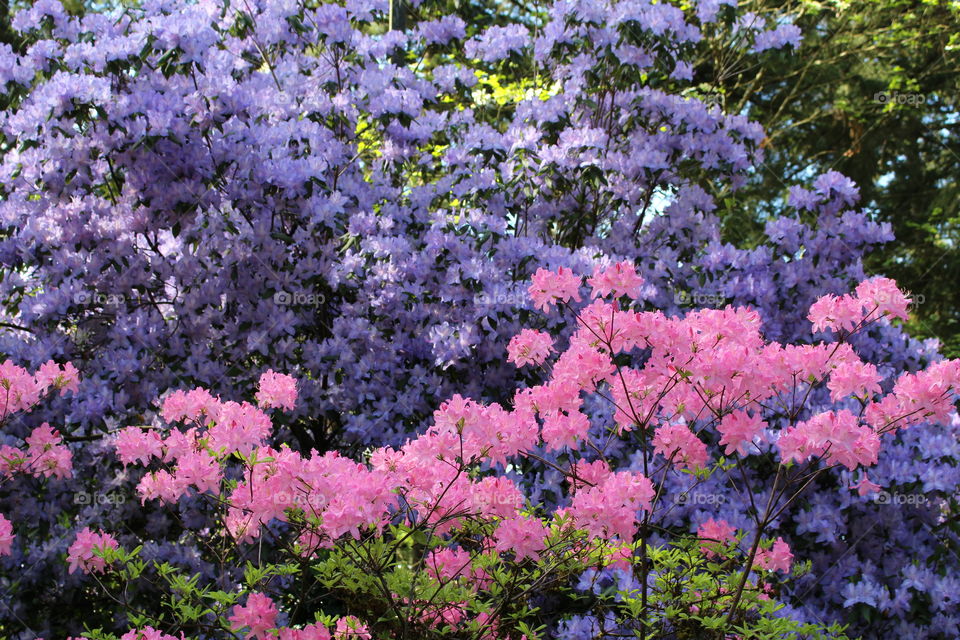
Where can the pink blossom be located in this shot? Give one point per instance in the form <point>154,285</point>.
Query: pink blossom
<point>523,536</point>
<point>609,508</point>
<point>309,632</point>
<point>63,377</point>
<point>778,558</point>
<point>82,554</point>
<point>677,442</point>
<point>853,378</point>
<point>583,365</point>
<point>716,532</point>
<point>46,455</point>
<point>738,429</point>
<point>133,444</point>
<point>199,469</point>
<point>350,628</point>
<point>148,633</point>
<point>19,391</point>
<point>837,313</point>
<point>239,427</point>
<point>258,616</point>
<point>549,287</point>
<point>864,486</point>
<point>529,347</point>
<point>160,484</point>
<point>881,294</point>
<point>446,564</point>
<point>189,405</point>
<point>561,429</point>
<point>619,280</point>
<point>277,390</point>
<point>6,536</point>
<point>589,473</point>
<point>838,435</point>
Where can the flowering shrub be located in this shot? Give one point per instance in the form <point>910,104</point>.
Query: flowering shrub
<point>193,194</point>
<point>438,538</point>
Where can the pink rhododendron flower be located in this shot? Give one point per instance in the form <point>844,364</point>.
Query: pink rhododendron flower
<point>583,365</point>
<point>6,536</point>
<point>63,377</point>
<point>133,444</point>
<point>239,427</point>
<point>199,469</point>
<point>309,632</point>
<point>46,455</point>
<point>189,405</point>
<point>589,473</point>
<point>837,313</point>
<point>883,295</point>
<point>717,533</point>
<point>738,429</point>
<point>529,347</point>
<point>148,633</point>
<point>836,434</point>
<point>447,564</point>
<point>549,287</point>
<point>258,616</point>
<point>561,429</point>
<point>778,558</point>
<point>82,554</point>
<point>619,280</point>
<point>676,441</point>
<point>853,378</point>
<point>610,508</point>
<point>864,486</point>
<point>350,628</point>
<point>160,485</point>
<point>525,537</point>
<point>277,390</point>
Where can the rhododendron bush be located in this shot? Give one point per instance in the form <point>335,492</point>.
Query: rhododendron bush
<point>439,537</point>
<point>210,197</point>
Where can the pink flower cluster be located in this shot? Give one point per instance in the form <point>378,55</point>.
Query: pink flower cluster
<point>45,455</point>
<point>717,534</point>
<point>149,633</point>
<point>524,537</point>
<point>529,347</point>
<point>619,280</point>
<point>678,444</point>
<point>83,553</point>
<point>6,536</point>
<point>21,391</point>
<point>777,558</point>
<point>219,429</point>
<point>708,377</point>
<point>837,435</point>
<point>277,390</point>
<point>549,287</point>
<point>259,618</point>
<point>872,299</point>
<point>609,508</point>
